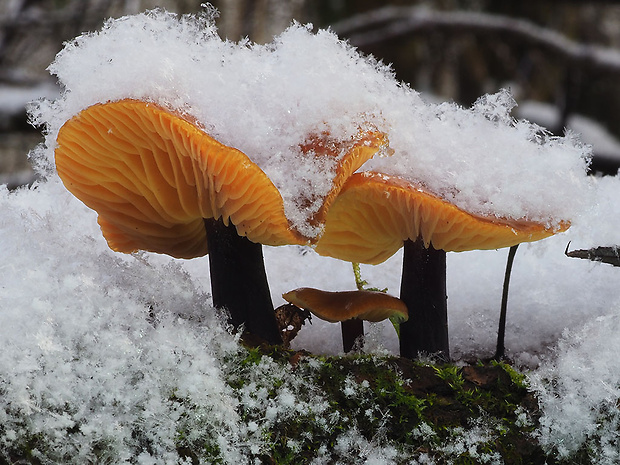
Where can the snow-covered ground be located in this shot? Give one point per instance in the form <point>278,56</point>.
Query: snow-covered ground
<point>98,339</point>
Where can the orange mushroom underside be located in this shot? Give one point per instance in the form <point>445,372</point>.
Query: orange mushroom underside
<point>153,176</point>
<point>374,214</point>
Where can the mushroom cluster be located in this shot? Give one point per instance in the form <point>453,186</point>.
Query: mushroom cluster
<point>188,145</point>
<point>160,183</point>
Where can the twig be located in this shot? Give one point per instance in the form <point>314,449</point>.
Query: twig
<point>389,23</point>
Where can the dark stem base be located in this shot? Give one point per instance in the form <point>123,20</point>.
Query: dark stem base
<point>351,330</point>
<point>423,289</point>
<point>239,282</point>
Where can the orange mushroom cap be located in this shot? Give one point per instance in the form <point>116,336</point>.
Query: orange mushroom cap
<point>374,214</point>
<point>153,176</point>
<point>346,305</point>
<point>357,151</point>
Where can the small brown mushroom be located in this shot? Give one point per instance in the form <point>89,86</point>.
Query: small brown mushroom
<point>348,306</point>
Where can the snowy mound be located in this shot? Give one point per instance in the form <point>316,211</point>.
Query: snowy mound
<point>267,100</point>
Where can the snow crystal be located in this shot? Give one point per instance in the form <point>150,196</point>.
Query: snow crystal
<point>353,444</point>
<point>269,100</point>
<point>486,163</point>
<point>469,441</point>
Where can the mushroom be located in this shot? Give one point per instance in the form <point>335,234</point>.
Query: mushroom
<point>375,215</point>
<point>160,183</point>
<point>352,307</point>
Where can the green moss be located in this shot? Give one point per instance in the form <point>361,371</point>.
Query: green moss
<point>415,406</point>
<point>451,414</point>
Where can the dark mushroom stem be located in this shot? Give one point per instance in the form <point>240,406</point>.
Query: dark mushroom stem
<point>423,289</point>
<point>351,331</point>
<point>239,282</point>
<point>501,331</point>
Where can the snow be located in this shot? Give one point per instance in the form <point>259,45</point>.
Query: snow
<point>581,402</point>
<point>100,341</point>
<point>77,337</point>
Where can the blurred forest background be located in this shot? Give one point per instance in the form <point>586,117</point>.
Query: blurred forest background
<point>561,59</point>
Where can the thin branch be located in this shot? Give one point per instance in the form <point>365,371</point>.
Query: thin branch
<point>76,12</point>
<point>390,23</point>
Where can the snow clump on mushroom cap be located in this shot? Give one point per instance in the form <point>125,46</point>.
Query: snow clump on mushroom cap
<point>486,162</point>
<point>268,100</point>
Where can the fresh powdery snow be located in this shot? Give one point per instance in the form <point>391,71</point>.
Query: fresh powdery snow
<point>109,345</point>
